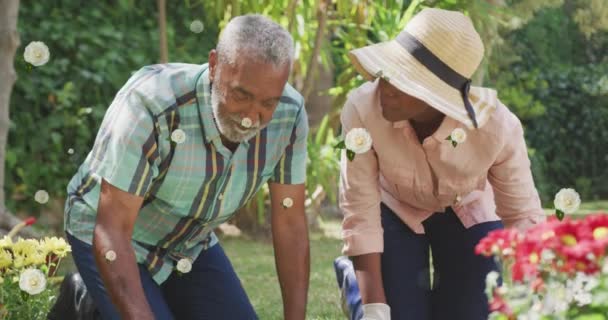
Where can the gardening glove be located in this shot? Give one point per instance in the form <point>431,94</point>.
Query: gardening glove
<point>376,311</point>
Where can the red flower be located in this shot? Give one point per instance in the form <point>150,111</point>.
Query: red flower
<point>498,304</point>
<point>30,221</point>
<point>497,242</point>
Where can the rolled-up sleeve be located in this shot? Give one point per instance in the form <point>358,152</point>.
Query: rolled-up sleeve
<point>359,195</point>
<point>516,197</point>
<point>126,152</point>
<point>291,169</point>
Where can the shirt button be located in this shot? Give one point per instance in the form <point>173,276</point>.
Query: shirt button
<point>458,198</point>
<point>220,196</point>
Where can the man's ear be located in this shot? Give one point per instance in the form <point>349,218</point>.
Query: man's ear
<point>212,64</point>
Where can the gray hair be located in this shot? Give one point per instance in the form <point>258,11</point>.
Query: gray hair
<point>259,38</point>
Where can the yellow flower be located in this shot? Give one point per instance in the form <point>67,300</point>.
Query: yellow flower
<point>18,261</point>
<point>35,258</point>
<point>6,259</point>
<point>25,246</point>
<point>6,242</point>
<point>57,246</point>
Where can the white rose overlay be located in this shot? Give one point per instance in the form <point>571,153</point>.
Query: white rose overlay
<point>197,26</point>
<point>178,136</point>
<point>184,265</point>
<point>459,135</point>
<point>32,281</point>
<point>567,200</point>
<point>41,196</point>
<point>246,123</point>
<point>36,53</point>
<point>358,140</point>
<point>110,255</point>
<point>287,202</point>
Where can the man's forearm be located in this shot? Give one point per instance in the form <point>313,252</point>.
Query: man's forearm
<point>292,254</point>
<point>121,276</point>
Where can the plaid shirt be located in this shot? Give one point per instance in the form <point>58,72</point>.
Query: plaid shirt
<point>188,188</point>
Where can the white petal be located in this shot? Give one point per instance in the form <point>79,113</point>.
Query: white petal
<point>567,200</point>
<point>358,140</point>
<point>459,135</point>
<point>184,265</point>
<point>36,53</point>
<point>178,136</point>
<point>41,196</point>
<point>32,281</point>
<point>197,26</point>
<point>110,255</point>
<point>287,202</point>
<point>246,123</point>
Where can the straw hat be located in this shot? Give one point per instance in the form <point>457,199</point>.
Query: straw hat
<point>433,59</point>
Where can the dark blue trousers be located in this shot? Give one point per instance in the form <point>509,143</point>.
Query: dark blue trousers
<point>457,292</point>
<point>211,290</point>
<point>458,279</point>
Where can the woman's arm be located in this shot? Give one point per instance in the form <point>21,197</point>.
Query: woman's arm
<point>516,197</point>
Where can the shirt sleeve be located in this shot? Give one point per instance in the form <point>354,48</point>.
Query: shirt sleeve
<point>125,153</point>
<point>516,197</point>
<point>359,195</point>
<point>291,168</point>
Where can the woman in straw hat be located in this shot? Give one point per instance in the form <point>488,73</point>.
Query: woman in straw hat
<point>448,164</point>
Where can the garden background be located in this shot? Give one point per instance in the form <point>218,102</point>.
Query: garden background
<point>546,58</point>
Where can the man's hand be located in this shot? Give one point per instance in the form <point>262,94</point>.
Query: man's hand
<point>116,215</point>
<point>292,251</point>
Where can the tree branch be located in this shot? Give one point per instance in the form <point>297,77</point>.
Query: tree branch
<point>162,31</point>
<point>291,14</point>
<point>314,61</point>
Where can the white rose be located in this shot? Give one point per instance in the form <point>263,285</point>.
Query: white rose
<point>36,53</point>
<point>32,281</point>
<point>197,26</point>
<point>178,136</point>
<point>246,123</point>
<point>287,202</point>
<point>184,265</point>
<point>41,196</point>
<point>358,140</point>
<point>70,151</point>
<point>567,200</point>
<point>458,135</point>
<point>110,255</point>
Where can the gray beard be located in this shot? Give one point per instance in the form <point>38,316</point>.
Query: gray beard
<point>228,126</point>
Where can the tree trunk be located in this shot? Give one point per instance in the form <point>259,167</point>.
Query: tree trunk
<point>314,57</point>
<point>162,31</point>
<point>9,41</point>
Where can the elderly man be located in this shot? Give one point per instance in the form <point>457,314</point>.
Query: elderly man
<point>180,149</point>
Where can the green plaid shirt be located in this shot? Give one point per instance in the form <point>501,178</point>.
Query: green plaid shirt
<point>188,188</point>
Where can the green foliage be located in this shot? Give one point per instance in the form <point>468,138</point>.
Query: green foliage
<point>557,85</point>
<point>59,106</point>
<point>546,58</point>
<point>323,164</point>
<point>571,136</point>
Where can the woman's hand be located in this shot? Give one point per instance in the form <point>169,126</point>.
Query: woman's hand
<point>376,311</point>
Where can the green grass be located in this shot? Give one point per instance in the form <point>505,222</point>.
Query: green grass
<point>254,264</point>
